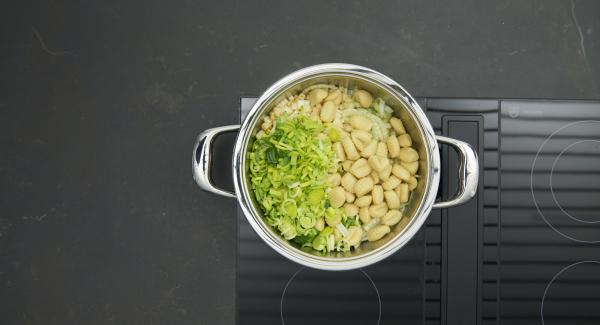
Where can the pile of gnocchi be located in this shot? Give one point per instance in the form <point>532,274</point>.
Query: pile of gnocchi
<point>376,177</point>
<point>376,167</point>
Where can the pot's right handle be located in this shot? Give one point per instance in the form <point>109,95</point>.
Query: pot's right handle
<point>202,159</point>
<point>468,173</point>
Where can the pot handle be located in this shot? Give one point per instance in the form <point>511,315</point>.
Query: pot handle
<point>202,159</point>
<point>468,173</point>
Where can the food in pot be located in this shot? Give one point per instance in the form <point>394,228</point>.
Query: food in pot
<point>331,168</point>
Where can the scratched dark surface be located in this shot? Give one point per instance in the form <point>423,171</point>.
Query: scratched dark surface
<point>100,221</point>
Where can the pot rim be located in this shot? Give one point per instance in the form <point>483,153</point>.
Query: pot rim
<point>282,246</point>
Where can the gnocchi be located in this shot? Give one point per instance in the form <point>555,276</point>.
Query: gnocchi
<point>363,98</point>
<point>403,193</point>
<point>316,96</point>
<point>391,183</point>
<point>412,183</point>
<point>348,182</point>
<point>350,149</point>
<point>350,197</point>
<point>382,150</point>
<point>377,232</point>
<point>378,163</point>
<point>397,125</point>
<point>378,211</point>
<point>351,210</point>
<point>377,194</point>
<point>393,147</point>
<point>404,140</point>
<point>335,96</point>
<point>361,139</point>
<point>334,179</point>
<point>337,197</point>
<point>363,201</point>
<point>361,123</point>
<point>408,155</point>
<point>369,150</point>
<point>392,199</point>
<point>363,186</point>
<point>354,236</point>
<point>364,215</point>
<point>401,172</point>
<point>391,218</point>
<point>385,173</point>
<point>327,113</point>
<point>412,167</point>
<point>360,168</point>
<point>339,151</point>
<point>375,177</point>
<point>320,224</point>
<point>346,165</point>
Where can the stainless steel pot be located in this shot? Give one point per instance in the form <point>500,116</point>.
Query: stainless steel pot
<point>417,125</point>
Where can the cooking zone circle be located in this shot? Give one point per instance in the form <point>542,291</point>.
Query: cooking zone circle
<point>590,195</point>
<point>318,297</point>
<point>565,183</point>
<point>574,290</point>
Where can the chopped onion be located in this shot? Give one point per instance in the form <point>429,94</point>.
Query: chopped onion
<point>379,130</point>
<point>342,229</point>
<point>368,226</point>
<point>330,243</point>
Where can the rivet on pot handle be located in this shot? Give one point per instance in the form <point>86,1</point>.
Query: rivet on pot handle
<point>468,173</point>
<point>202,161</point>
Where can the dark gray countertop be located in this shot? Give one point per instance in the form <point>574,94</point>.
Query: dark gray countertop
<point>100,221</point>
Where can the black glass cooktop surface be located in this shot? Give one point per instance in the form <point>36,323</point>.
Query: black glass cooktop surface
<point>550,252</point>
<point>525,250</point>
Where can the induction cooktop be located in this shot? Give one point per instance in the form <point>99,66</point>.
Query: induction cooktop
<point>525,250</point>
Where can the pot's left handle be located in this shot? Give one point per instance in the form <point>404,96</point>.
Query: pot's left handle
<point>202,159</point>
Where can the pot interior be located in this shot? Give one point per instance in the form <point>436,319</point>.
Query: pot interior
<point>403,109</point>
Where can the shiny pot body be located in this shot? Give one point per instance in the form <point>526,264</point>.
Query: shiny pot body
<point>416,124</point>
